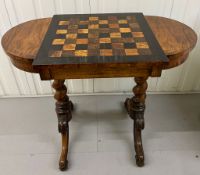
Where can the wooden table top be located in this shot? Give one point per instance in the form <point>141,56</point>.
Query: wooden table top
<point>22,42</point>
<point>99,38</point>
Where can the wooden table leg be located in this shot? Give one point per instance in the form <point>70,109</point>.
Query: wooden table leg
<point>63,110</point>
<point>135,107</point>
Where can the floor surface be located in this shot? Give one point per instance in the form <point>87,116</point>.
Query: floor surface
<point>101,141</point>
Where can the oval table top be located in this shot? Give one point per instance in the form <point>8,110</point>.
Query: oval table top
<point>22,42</point>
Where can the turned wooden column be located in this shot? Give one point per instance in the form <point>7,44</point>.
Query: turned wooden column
<point>136,107</point>
<point>63,110</point>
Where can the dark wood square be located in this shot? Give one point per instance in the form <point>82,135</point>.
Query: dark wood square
<point>81,47</point>
<point>83,26</point>
<point>99,38</point>
<point>104,35</point>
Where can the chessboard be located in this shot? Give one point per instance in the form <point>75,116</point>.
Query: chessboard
<point>98,38</point>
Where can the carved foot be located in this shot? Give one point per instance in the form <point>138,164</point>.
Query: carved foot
<point>63,162</point>
<point>63,110</point>
<point>63,165</point>
<point>139,160</point>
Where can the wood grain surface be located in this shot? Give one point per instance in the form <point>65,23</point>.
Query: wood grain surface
<point>22,42</point>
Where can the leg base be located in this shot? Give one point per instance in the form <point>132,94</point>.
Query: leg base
<point>63,165</point>
<point>139,160</point>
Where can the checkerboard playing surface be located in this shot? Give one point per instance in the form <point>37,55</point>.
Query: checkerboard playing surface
<point>98,36</point>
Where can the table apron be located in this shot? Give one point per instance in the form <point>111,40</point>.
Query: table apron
<point>92,72</point>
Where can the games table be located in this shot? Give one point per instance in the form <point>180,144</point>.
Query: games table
<point>99,46</point>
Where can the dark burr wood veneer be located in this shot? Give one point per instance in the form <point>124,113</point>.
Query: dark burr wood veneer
<point>92,46</point>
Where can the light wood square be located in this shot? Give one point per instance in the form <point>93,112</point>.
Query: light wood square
<point>72,35</point>
<point>115,35</point>
<point>82,41</point>
<point>131,52</point>
<point>106,52</point>
<point>93,26</point>
<point>93,18</point>
<point>61,31</point>
<point>138,34</point>
<point>125,30</point>
<point>122,21</point>
<point>58,41</point>
<point>103,21</point>
<point>63,23</point>
<point>104,40</point>
<point>142,45</point>
<point>82,30</point>
<point>81,53</point>
<point>114,26</point>
<point>69,47</point>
